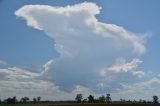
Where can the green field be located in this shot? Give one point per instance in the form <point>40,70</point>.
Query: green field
<point>76,104</point>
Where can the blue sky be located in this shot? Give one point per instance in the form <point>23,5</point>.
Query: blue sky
<point>46,57</point>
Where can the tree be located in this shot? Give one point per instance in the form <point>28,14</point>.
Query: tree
<point>122,100</point>
<point>144,101</point>
<point>140,100</point>
<point>84,101</point>
<point>108,98</point>
<point>155,99</point>
<point>79,98</point>
<point>24,99</point>
<point>38,98</point>
<point>8,100</point>
<point>11,100</point>
<point>34,100</point>
<point>101,99</point>
<point>14,99</point>
<point>90,99</point>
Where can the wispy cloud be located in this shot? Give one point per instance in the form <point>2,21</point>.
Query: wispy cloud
<point>121,66</point>
<point>140,90</point>
<point>20,82</point>
<point>3,63</point>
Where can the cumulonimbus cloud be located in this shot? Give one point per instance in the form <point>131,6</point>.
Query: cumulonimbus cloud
<point>85,44</point>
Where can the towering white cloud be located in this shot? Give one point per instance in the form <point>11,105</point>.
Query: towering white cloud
<point>85,45</point>
<point>77,23</point>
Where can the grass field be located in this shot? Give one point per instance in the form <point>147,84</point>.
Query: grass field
<point>76,104</point>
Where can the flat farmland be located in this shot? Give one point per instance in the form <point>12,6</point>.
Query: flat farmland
<point>76,104</point>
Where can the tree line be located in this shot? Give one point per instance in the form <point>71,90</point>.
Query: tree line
<point>91,99</point>
<point>107,99</point>
<point>13,100</point>
<point>79,99</point>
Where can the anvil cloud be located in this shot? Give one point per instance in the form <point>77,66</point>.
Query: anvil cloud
<point>87,48</point>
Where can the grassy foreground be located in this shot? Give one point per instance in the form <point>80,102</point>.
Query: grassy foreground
<point>76,104</point>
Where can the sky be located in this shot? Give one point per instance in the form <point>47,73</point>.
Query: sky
<point>57,48</point>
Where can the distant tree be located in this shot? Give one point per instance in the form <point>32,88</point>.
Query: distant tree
<point>11,100</point>
<point>102,99</point>
<point>134,101</point>
<point>122,100</point>
<point>140,101</point>
<point>144,101</point>
<point>155,99</point>
<point>8,100</point>
<point>79,98</point>
<point>38,98</point>
<point>34,100</point>
<point>108,98</point>
<point>84,101</point>
<point>15,99</point>
<point>129,101</point>
<point>149,102</point>
<point>24,99</point>
<point>90,99</point>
